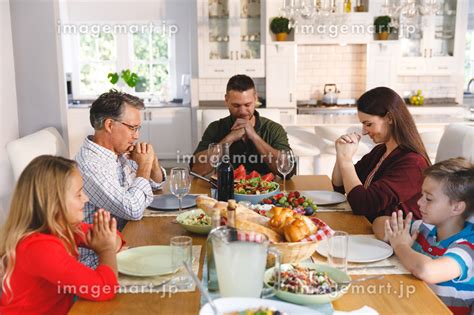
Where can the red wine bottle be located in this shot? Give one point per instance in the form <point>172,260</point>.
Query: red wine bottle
<point>225,177</point>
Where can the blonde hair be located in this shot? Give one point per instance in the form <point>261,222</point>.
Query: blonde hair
<point>38,206</point>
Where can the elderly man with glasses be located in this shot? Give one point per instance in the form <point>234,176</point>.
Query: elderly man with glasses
<point>119,173</point>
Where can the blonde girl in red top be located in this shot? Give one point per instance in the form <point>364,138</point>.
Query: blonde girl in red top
<point>38,243</point>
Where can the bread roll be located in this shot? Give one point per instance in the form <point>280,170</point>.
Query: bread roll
<point>296,230</point>
<point>273,236</point>
<point>280,217</point>
<point>309,223</point>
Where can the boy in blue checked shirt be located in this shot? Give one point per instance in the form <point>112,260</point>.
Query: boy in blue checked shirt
<point>439,249</point>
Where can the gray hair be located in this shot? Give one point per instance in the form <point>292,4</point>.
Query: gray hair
<point>111,105</point>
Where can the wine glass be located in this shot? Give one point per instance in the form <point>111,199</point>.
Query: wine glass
<point>180,183</point>
<point>285,164</point>
<point>214,152</point>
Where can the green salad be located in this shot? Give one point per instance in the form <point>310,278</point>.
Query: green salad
<point>254,186</point>
<point>197,219</point>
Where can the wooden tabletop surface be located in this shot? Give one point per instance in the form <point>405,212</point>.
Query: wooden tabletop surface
<point>393,294</point>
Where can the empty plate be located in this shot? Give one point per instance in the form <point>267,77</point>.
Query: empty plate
<point>361,249</point>
<point>235,305</point>
<point>145,261</point>
<point>324,197</point>
<point>170,202</point>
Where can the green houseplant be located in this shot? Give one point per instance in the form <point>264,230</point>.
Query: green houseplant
<point>280,26</point>
<point>382,26</point>
<point>129,77</point>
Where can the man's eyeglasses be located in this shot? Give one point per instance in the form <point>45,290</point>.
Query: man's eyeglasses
<point>133,129</point>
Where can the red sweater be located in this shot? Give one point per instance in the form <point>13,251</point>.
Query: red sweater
<point>46,278</point>
<point>395,185</point>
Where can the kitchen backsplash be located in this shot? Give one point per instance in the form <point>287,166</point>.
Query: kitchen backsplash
<point>343,65</point>
<point>320,64</point>
<point>214,89</point>
<point>431,86</point>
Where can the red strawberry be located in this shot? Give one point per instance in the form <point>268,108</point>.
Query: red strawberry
<point>297,194</point>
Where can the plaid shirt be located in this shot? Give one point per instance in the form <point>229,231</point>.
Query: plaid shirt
<point>110,183</point>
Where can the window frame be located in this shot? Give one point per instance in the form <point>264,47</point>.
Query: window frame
<point>123,60</point>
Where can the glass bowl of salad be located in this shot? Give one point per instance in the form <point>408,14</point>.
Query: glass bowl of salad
<point>195,221</point>
<point>308,283</point>
<point>255,189</point>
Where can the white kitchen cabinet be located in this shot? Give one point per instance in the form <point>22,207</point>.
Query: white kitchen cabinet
<point>382,64</point>
<point>168,130</point>
<point>230,38</point>
<point>436,47</point>
<point>280,81</point>
<point>78,128</point>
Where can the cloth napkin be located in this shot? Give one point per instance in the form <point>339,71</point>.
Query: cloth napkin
<point>131,284</point>
<point>344,206</point>
<point>391,261</point>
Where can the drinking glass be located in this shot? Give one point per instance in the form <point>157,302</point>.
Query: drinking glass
<point>180,183</point>
<point>181,251</point>
<point>338,249</point>
<point>285,164</point>
<point>214,153</point>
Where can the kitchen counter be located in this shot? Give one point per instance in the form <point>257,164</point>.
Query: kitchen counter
<point>352,120</point>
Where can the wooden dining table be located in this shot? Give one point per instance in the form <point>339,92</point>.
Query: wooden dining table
<point>393,294</point>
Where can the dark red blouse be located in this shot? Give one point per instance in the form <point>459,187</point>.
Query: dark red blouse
<point>396,184</point>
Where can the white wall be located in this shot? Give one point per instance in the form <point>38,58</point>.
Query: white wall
<point>40,82</point>
<point>161,12</point>
<point>8,106</point>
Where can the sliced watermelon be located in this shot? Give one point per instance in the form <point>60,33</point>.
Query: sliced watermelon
<point>268,177</point>
<point>239,172</point>
<point>253,174</point>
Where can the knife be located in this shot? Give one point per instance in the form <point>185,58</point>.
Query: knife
<point>213,184</point>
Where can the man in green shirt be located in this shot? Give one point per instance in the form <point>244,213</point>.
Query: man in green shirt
<point>254,140</point>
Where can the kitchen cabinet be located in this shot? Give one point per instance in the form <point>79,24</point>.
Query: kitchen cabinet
<point>230,39</point>
<point>435,46</point>
<point>281,75</point>
<point>168,130</point>
<point>382,63</point>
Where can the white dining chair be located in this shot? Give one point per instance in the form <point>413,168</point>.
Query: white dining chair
<point>22,151</point>
<point>457,140</point>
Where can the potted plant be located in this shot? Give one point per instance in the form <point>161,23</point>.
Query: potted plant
<point>280,26</point>
<point>129,77</point>
<point>382,27</point>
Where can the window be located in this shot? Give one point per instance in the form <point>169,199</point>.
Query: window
<point>149,54</point>
<point>97,58</point>
<point>150,60</point>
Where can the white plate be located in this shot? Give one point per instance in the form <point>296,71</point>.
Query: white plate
<point>145,261</point>
<point>227,305</point>
<point>361,249</point>
<point>324,197</point>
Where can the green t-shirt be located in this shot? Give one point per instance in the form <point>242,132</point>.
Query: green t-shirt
<point>245,152</point>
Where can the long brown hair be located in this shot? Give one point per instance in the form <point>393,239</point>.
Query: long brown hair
<point>383,101</point>
<point>38,206</point>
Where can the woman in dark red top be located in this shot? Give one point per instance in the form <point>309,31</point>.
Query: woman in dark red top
<point>390,176</point>
<point>38,243</point>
